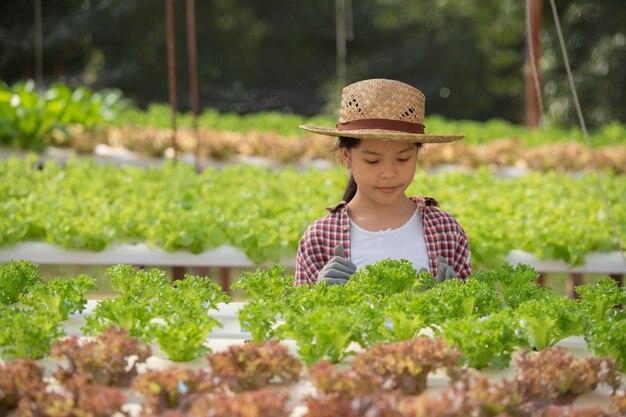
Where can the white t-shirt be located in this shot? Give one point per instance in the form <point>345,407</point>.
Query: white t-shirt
<point>406,242</point>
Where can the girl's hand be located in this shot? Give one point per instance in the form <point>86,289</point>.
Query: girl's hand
<point>338,270</point>
<point>444,271</point>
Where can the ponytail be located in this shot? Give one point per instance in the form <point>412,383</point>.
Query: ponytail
<point>350,190</point>
<point>346,142</point>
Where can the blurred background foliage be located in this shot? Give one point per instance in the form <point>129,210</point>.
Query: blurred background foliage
<point>467,56</point>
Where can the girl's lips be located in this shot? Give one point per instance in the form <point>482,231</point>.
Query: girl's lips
<point>387,190</point>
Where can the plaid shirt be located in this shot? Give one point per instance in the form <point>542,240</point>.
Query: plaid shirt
<point>442,233</point>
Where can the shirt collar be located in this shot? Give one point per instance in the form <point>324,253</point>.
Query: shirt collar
<point>419,200</point>
<point>342,205</point>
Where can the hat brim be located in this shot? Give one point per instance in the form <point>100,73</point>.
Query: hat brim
<point>383,134</point>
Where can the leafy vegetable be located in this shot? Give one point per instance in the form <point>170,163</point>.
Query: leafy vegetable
<point>183,338</point>
<point>385,278</point>
<point>406,365</point>
<point>259,318</point>
<point>173,388</point>
<point>174,208</point>
<point>104,360</point>
<point>618,404</point>
<point>383,405</point>
<point>571,411</point>
<point>82,399</point>
<point>601,299</point>
<point>545,322</point>
<point>61,296</point>
<point>485,341</point>
<point>401,322</point>
<point>24,390</point>
<point>554,374</point>
<point>16,278</point>
<point>125,311</point>
<point>150,308</point>
<point>182,323</point>
<point>516,284</point>
<point>254,365</point>
<point>262,402</point>
<point>137,282</point>
<point>27,333</point>
<point>455,299</point>
<point>286,124</point>
<point>345,383</point>
<point>269,285</point>
<point>608,337</point>
<point>194,294</point>
<point>19,380</point>
<point>473,396</point>
<point>324,332</point>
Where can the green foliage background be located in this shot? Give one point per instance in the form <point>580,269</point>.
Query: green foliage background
<point>257,56</point>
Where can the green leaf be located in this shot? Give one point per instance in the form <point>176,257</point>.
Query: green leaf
<point>17,278</point>
<point>485,341</point>
<point>183,339</point>
<point>28,333</point>
<point>601,300</point>
<point>547,321</point>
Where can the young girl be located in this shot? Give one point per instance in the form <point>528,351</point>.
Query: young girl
<point>381,132</point>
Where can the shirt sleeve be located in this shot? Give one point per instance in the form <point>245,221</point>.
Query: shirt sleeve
<point>462,261</point>
<point>445,237</point>
<point>309,258</point>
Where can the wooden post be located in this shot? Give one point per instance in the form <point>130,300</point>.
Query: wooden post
<point>38,45</point>
<point>193,74</point>
<point>618,278</point>
<point>203,271</point>
<point>533,82</point>
<point>340,38</point>
<point>171,69</point>
<point>225,279</point>
<point>541,279</point>
<point>575,279</point>
<point>178,272</point>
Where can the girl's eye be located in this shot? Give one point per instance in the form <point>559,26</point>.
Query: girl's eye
<point>403,159</point>
<point>371,162</point>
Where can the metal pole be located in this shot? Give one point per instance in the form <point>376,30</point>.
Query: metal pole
<point>38,45</point>
<point>340,29</point>
<point>193,74</point>
<point>349,21</point>
<point>533,82</point>
<point>171,69</point>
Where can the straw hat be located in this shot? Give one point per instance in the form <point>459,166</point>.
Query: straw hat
<point>382,109</point>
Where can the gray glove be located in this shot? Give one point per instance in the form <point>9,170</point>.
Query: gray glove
<point>444,271</point>
<point>338,270</point>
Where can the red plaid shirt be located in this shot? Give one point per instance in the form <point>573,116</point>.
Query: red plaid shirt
<point>442,233</point>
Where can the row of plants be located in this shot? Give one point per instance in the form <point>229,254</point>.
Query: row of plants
<point>101,376</point>
<point>382,308</point>
<point>489,317</point>
<point>95,379</point>
<point>264,211</point>
<point>149,306</point>
<point>157,116</point>
<point>61,116</point>
<point>33,119</point>
<point>227,145</point>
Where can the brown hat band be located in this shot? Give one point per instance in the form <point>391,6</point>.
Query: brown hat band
<point>384,124</point>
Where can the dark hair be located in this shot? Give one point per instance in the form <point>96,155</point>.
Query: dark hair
<point>349,143</point>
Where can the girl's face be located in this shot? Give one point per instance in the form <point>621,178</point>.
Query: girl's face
<point>383,170</point>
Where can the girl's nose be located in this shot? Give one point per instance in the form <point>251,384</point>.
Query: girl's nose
<point>388,173</point>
